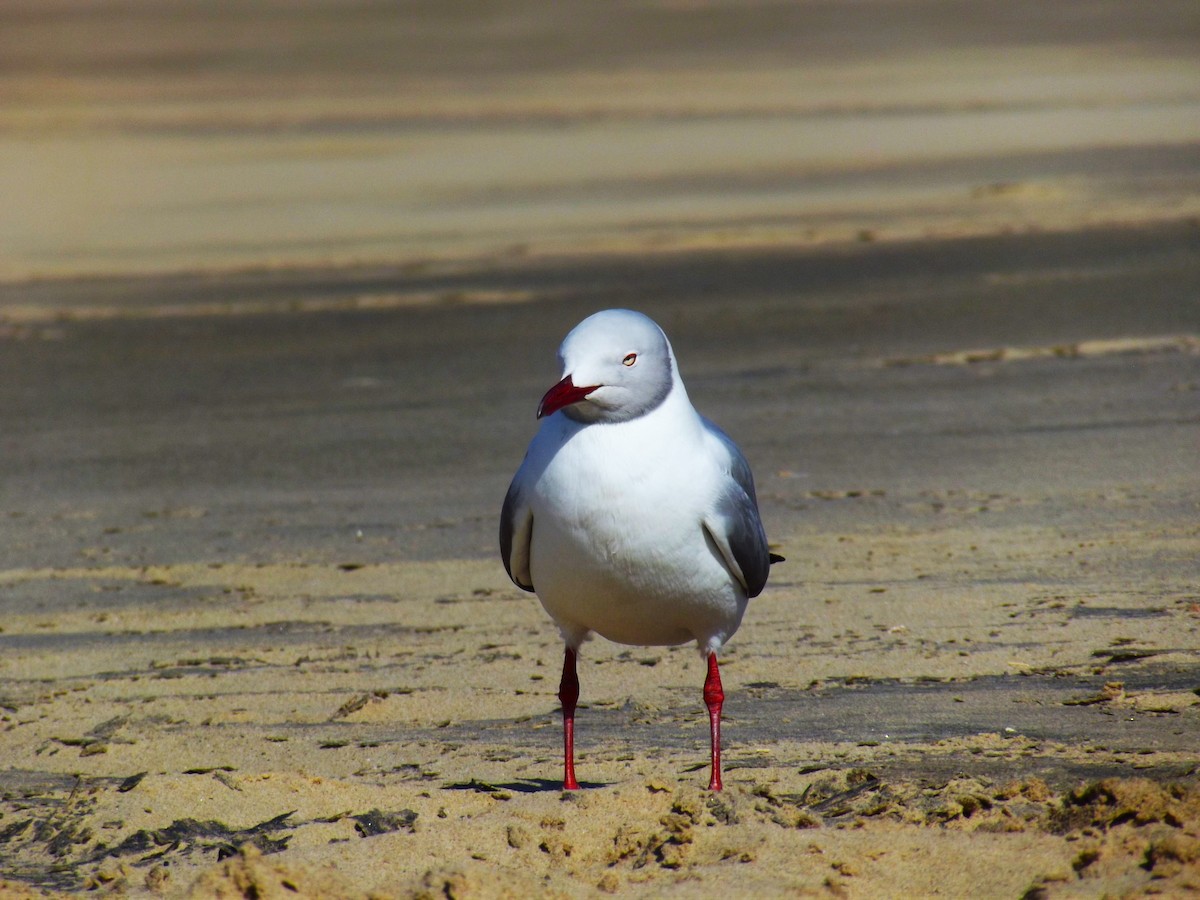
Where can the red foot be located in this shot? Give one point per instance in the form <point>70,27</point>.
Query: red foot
<point>568,694</point>
<point>714,697</point>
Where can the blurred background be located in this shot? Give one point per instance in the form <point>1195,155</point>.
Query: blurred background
<point>165,135</point>
<point>281,283</point>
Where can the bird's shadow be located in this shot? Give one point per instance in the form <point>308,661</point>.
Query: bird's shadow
<point>525,786</point>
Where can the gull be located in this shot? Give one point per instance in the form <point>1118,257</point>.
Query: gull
<point>632,516</point>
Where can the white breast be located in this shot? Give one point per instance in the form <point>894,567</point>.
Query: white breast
<point>618,545</point>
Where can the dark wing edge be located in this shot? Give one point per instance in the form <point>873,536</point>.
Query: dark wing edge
<point>738,467</point>
<point>516,531</point>
<point>737,529</point>
<point>738,534</point>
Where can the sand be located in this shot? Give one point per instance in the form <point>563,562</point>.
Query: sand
<point>897,725</point>
<point>281,289</point>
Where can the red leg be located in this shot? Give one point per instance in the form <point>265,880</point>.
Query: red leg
<point>714,696</point>
<point>568,694</point>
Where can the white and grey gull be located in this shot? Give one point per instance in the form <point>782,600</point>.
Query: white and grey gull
<point>633,516</point>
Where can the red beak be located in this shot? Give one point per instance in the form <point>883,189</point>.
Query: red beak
<point>562,394</point>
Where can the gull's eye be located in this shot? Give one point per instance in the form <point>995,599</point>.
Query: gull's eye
<point>629,359</point>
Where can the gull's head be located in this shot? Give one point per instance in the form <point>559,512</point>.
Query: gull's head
<point>617,365</point>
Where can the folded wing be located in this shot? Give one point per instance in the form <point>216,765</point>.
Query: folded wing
<point>516,532</point>
<point>734,524</point>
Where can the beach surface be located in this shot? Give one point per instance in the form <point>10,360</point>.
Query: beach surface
<point>280,287</point>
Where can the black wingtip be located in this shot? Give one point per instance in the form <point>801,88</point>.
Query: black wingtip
<point>775,558</point>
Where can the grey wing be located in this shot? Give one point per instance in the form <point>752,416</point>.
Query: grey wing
<point>735,525</point>
<point>516,532</point>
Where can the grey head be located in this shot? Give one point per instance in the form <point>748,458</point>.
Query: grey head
<point>617,365</point>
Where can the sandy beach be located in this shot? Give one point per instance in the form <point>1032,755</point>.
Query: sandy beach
<point>280,288</point>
